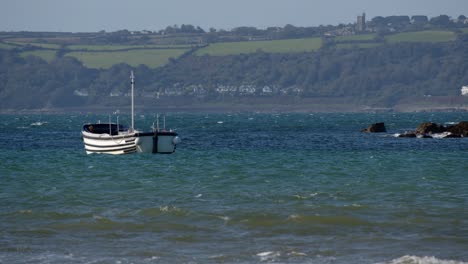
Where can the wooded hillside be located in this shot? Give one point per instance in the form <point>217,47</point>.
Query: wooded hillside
<point>379,69</point>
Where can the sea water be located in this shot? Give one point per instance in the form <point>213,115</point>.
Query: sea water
<point>240,188</point>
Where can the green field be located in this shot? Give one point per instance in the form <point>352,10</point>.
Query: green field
<point>464,30</point>
<point>4,45</point>
<point>39,45</point>
<point>124,47</point>
<point>356,38</point>
<point>273,46</point>
<point>47,55</point>
<point>103,60</point>
<point>357,45</point>
<point>422,36</point>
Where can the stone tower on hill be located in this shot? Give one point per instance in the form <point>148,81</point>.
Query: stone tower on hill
<point>361,23</point>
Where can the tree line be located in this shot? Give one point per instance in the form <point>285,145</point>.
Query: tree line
<point>384,74</point>
<point>378,24</point>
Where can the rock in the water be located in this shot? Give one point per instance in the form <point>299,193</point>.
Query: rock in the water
<point>453,136</point>
<point>408,135</point>
<point>375,128</point>
<point>430,128</point>
<point>433,130</point>
<point>460,129</point>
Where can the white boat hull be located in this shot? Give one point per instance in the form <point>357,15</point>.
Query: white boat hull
<point>156,142</point>
<point>109,144</point>
<point>126,143</point>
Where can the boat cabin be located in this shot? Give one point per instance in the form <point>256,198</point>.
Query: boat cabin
<point>111,129</point>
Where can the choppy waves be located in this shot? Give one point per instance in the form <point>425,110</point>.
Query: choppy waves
<point>253,188</point>
<point>422,260</point>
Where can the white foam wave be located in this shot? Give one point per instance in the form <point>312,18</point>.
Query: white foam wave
<point>39,123</point>
<point>297,254</point>
<point>451,123</point>
<point>441,135</point>
<point>422,260</point>
<point>435,135</point>
<point>153,258</point>
<point>268,255</point>
<point>224,218</point>
<point>294,217</point>
<point>300,197</point>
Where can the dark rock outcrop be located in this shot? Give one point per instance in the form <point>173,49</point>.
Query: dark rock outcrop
<point>375,128</point>
<point>453,136</point>
<point>408,135</point>
<point>430,130</point>
<point>460,129</point>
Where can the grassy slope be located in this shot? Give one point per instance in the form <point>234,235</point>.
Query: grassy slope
<point>47,55</point>
<point>151,58</point>
<point>124,47</point>
<point>104,56</point>
<point>357,38</point>
<point>357,45</point>
<point>39,45</point>
<point>6,46</point>
<point>274,46</point>
<point>422,36</point>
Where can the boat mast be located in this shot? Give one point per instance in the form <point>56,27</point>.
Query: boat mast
<point>132,81</point>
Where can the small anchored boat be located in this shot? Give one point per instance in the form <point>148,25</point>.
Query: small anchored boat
<point>111,138</point>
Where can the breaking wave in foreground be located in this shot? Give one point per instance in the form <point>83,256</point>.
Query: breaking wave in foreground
<point>422,260</point>
<point>263,257</point>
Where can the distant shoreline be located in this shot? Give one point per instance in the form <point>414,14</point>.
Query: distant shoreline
<point>285,104</point>
<point>235,108</point>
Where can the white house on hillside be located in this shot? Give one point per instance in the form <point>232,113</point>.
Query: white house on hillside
<point>464,90</point>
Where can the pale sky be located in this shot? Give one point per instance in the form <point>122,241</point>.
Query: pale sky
<point>113,15</point>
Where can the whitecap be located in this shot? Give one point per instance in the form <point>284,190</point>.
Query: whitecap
<point>299,197</point>
<point>268,255</point>
<point>97,217</point>
<point>224,218</point>
<point>294,217</point>
<point>39,123</point>
<point>441,135</point>
<point>297,254</point>
<point>217,256</point>
<point>264,254</point>
<point>220,122</point>
<point>153,258</point>
<point>164,208</point>
<point>168,208</point>
<point>422,260</point>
